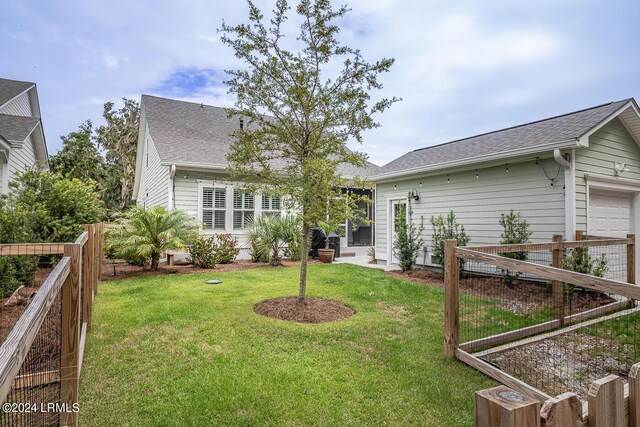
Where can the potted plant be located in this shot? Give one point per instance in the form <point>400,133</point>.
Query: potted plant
<point>326,255</point>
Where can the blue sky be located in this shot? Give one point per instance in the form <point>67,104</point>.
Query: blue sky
<point>462,67</point>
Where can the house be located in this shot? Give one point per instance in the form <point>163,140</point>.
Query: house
<point>181,161</point>
<point>22,142</point>
<point>577,171</point>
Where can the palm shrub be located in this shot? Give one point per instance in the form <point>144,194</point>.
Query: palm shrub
<point>408,241</point>
<point>147,232</point>
<point>272,236</point>
<point>445,228</point>
<point>515,231</point>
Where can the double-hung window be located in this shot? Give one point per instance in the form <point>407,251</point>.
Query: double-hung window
<point>243,208</point>
<point>271,206</point>
<point>214,208</point>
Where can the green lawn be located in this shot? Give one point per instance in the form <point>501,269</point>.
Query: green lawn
<point>170,350</point>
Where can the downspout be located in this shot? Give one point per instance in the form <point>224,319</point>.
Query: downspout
<point>172,174</point>
<point>569,191</point>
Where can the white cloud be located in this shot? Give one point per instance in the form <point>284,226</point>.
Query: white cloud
<point>460,66</point>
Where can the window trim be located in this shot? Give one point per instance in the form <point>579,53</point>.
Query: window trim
<point>229,188</point>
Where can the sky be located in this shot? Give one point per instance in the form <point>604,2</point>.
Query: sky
<point>461,67</point>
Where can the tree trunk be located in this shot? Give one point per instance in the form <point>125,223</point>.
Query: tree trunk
<point>304,254</point>
<point>155,261</point>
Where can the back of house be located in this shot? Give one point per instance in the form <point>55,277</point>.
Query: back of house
<point>577,171</point>
<point>181,164</point>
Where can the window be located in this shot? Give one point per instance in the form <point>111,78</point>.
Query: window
<point>271,206</point>
<point>214,208</point>
<point>243,208</point>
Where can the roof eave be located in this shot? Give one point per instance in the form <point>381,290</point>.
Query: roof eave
<point>570,143</point>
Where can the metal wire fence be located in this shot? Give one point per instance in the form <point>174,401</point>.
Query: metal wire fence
<point>555,336</point>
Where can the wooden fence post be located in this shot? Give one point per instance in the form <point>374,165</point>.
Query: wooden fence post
<point>631,259</point>
<point>451,303</point>
<point>562,411</point>
<point>503,407</point>
<point>557,289</point>
<point>87,277</point>
<point>634,396</point>
<point>606,402</point>
<point>70,349</point>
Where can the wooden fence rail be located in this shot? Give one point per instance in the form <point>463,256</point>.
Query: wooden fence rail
<point>76,276</point>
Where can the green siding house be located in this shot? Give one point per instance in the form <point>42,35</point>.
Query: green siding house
<point>578,171</point>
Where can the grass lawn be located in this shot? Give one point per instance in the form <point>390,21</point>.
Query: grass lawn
<point>171,350</point>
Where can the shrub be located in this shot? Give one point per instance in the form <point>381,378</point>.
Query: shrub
<point>202,252</point>
<point>147,232</point>
<point>269,235</point>
<point>445,228</point>
<point>371,253</point>
<point>580,261</point>
<point>408,241</point>
<point>225,248</point>
<point>515,231</point>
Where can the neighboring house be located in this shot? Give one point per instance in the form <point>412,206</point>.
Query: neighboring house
<point>181,161</point>
<point>578,171</point>
<point>22,143</point>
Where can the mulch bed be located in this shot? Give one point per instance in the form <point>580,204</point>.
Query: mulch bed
<point>313,310</point>
<point>527,294</point>
<point>124,270</point>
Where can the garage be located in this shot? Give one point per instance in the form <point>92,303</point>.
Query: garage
<point>609,213</point>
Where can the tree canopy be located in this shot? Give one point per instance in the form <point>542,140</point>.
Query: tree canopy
<point>299,107</point>
<point>105,155</point>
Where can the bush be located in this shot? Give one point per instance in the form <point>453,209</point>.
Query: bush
<point>269,235</point>
<point>147,232</point>
<point>515,231</point>
<point>225,248</point>
<point>580,261</point>
<point>408,241</point>
<point>202,252</point>
<point>445,228</point>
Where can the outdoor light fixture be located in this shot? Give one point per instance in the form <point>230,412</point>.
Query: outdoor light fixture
<point>477,174</point>
<point>420,185</point>
<point>395,187</point>
<point>507,165</point>
<point>448,180</point>
<point>415,194</point>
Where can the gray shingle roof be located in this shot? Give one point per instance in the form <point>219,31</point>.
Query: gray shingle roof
<point>548,131</point>
<point>192,133</point>
<point>9,89</point>
<point>17,128</point>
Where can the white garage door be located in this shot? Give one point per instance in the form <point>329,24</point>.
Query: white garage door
<point>609,214</point>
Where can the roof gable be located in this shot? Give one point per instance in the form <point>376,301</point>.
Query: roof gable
<point>9,89</point>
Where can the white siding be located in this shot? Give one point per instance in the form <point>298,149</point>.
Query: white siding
<point>186,187</point>
<point>154,178</point>
<point>20,106</point>
<point>21,158</point>
<point>612,143</point>
<point>478,202</point>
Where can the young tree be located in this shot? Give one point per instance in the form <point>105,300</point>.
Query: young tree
<point>515,231</point>
<point>119,136</point>
<point>312,111</point>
